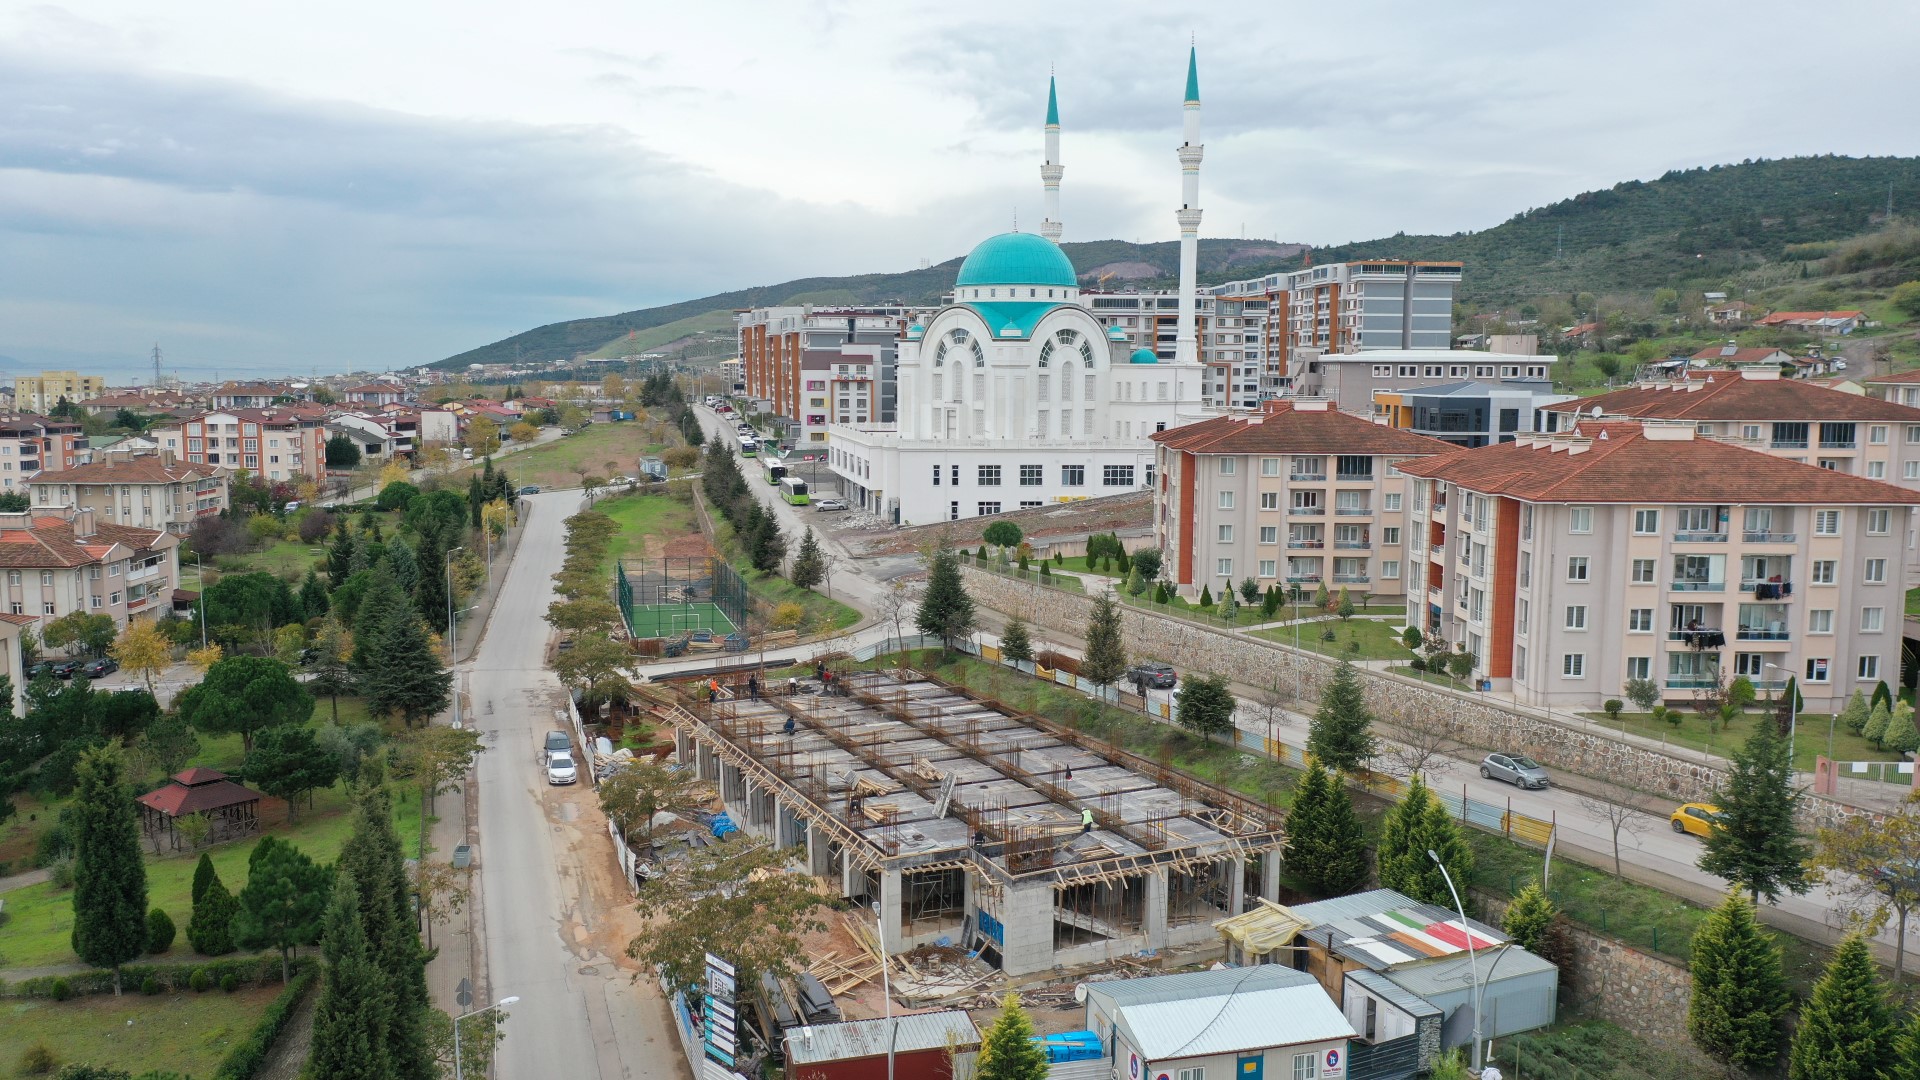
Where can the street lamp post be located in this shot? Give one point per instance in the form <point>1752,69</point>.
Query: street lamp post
<point>200,571</point>
<point>457,1075</point>
<point>451,635</point>
<point>886,985</point>
<point>1473,963</point>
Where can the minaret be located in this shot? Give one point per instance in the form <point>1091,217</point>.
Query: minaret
<point>1051,170</point>
<point>1186,349</point>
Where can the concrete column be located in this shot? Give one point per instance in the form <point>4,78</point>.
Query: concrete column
<point>1270,874</point>
<point>1237,886</point>
<point>1156,910</point>
<point>849,875</point>
<point>1026,913</point>
<point>892,900</point>
<point>819,853</point>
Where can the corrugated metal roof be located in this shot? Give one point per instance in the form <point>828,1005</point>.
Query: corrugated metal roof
<point>1455,973</point>
<point>868,1038</point>
<point>1193,984</point>
<point>1231,1022</point>
<point>1392,993</point>
<point>1353,906</point>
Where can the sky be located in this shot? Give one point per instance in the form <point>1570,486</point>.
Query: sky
<point>361,185</point>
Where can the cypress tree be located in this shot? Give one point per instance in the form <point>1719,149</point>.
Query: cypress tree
<point>210,930</point>
<point>356,1007</point>
<point>1008,1050</point>
<point>1105,659</point>
<point>430,584</point>
<point>1847,1028</point>
<point>1341,733</point>
<point>808,567</point>
<point>1736,1015</point>
<point>1907,1051</point>
<point>203,875</point>
<point>1877,722</point>
<point>373,856</point>
<point>109,878</point>
<point>1206,596</point>
<point>340,555</point>
<point>1528,917</point>
<point>1901,736</point>
<point>1855,715</point>
<point>1419,824</point>
<point>1326,848</point>
<point>1756,844</point>
<point>313,596</point>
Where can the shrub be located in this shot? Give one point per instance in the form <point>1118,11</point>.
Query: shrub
<point>200,981</point>
<point>245,1059</point>
<point>314,526</point>
<point>229,982</point>
<point>160,931</point>
<point>1418,663</point>
<point>62,990</point>
<point>1410,637</point>
<point>63,872</point>
<point>1613,707</point>
<point>39,1060</point>
<point>150,986</point>
<point>788,615</point>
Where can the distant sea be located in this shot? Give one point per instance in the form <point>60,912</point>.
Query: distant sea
<point>133,373</point>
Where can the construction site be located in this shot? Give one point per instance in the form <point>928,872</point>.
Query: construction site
<point>965,824</point>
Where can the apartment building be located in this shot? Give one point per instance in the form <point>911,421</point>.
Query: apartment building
<point>147,491</point>
<point>286,443</point>
<point>821,366</point>
<point>1902,388</point>
<point>252,395</point>
<point>61,560</point>
<point>374,393</point>
<point>1231,337</point>
<point>1569,563</point>
<point>32,444</point>
<point>1351,380</point>
<point>40,393</point>
<point>1790,418</point>
<point>1469,413</point>
<point>1298,493</point>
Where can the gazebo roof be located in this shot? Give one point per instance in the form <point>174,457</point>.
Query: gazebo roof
<point>196,791</point>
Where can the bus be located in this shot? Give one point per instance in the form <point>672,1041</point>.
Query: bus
<point>774,471</point>
<point>749,448</point>
<point>794,490</point>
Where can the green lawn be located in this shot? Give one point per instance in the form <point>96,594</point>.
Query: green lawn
<point>41,917</point>
<point>1589,1050</point>
<point>659,514</point>
<point>1913,602</point>
<point>772,590</point>
<point>185,1033</point>
<point>1693,732</point>
<point>603,449</point>
<point>1355,639</point>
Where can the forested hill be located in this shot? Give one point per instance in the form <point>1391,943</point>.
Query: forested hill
<point>1693,225</point>
<point>1697,225</point>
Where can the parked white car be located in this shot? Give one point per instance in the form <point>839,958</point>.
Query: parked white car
<point>829,503</point>
<point>560,768</point>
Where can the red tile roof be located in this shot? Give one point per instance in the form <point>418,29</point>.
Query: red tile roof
<point>1729,396</point>
<point>1284,428</point>
<point>1898,377</point>
<point>1779,317</point>
<point>196,791</point>
<point>1617,463</point>
<point>49,544</point>
<point>1722,354</point>
<point>146,469</point>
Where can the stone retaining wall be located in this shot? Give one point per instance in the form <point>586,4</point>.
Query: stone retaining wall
<point>1487,723</point>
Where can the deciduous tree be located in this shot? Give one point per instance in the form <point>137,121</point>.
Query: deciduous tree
<point>283,902</point>
<point>109,878</point>
<point>1873,862</point>
<point>639,789</point>
<point>733,899</point>
<point>91,634</point>
<point>1737,1012</point>
<point>144,649</point>
<point>440,758</point>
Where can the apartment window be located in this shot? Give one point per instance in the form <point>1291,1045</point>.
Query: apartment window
<point>1031,475</point>
<point>1270,500</point>
<point>1817,668</point>
<point>1879,522</point>
<point>1226,500</point>
<point>1872,619</point>
<point>96,600</point>
<point>1269,466</point>
<point>1643,571</point>
<point>1913,433</point>
<point>1573,665</point>
<point>1305,1067</point>
<point>955,476</point>
<point>1223,568</point>
<point>1820,621</point>
<point>1876,571</point>
<point>1390,535</point>
<point>1576,568</point>
<point>1073,476</point>
<point>936,476</point>
<point>1526,569</point>
<point>1526,522</point>
<point>46,577</point>
<point>986,508</point>
<point>1224,533</point>
<point>1876,470</point>
<point>1580,519</point>
<point>1576,616</point>
<point>1646,522</point>
<point>1269,534</point>
<point>953,511</point>
<point>1116,475</point>
<point>1826,523</point>
<point>1910,470</point>
<point>1640,620</point>
<point>46,608</point>
<point>1877,434</point>
<point>1390,501</point>
<point>1823,571</point>
<point>988,475</point>
<point>1229,466</point>
<point>1390,568</point>
<point>1267,568</point>
<point>1523,617</point>
<point>1869,667</point>
<point>17,608</point>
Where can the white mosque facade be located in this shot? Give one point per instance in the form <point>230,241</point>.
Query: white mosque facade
<point>1013,394</point>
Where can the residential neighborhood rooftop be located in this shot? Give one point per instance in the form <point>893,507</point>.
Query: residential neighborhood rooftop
<point>1737,396</point>
<point>1298,427</point>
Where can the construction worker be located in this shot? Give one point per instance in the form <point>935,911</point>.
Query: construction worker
<point>787,728</point>
<point>1086,822</point>
<point>753,686</point>
<point>713,689</point>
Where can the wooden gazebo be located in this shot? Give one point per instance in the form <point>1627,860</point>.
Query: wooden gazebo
<point>232,809</point>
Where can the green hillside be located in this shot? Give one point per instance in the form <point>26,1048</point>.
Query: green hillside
<point>1694,227</point>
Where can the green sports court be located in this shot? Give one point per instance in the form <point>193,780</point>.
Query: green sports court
<point>673,620</point>
<point>674,597</point>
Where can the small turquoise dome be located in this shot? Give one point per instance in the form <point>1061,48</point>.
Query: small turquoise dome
<point>916,330</point>
<point>1143,356</point>
<point>1114,333</point>
<point>1017,258</point>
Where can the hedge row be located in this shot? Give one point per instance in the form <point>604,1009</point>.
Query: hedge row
<point>247,971</point>
<point>246,1058</point>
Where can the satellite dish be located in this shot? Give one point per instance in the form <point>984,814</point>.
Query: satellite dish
<point>1080,993</point>
<point>1596,412</point>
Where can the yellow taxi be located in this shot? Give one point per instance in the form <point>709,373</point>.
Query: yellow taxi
<point>1697,818</point>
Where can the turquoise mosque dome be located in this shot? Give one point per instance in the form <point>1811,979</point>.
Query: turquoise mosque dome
<point>1143,356</point>
<point>1017,258</point>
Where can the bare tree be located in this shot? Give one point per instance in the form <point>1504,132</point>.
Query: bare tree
<point>897,605</point>
<point>829,562</point>
<point>1422,732</point>
<point>1609,805</point>
<point>1270,705</point>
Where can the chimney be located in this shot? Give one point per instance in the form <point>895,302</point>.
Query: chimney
<point>82,522</point>
<point>166,457</point>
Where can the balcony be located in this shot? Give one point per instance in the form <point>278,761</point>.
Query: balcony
<point>1354,511</point>
<point>1303,579</point>
<point>1699,637</point>
<point>1699,538</point>
<point>1759,633</point>
<point>1839,444</point>
<point>1306,477</point>
<point>1353,545</point>
<point>1307,545</point>
<point>1770,537</point>
<point>1354,477</point>
<point>1307,511</point>
<point>1788,444</point>
<point>1691,682</point>
<point>1768,590</point>
<point>1698,586</point>
<point>1351,579</point>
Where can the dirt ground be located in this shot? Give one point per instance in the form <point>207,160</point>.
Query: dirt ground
<point>1133,510</point>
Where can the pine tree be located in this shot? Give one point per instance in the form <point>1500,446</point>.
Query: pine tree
<point>1206,597</point>
<point>1756,843</point>
<point>203,875</point>
<point>808,567</point>
<point>1739,995</point>
<point>1907,1051</point>
<point>1876,728</point>
<point>1008,1050</point>
<point>430,588</point>
<point>373,855</point>
<point>946,611</point>
<point>378,605</point>
<point>1847,1028</point>
<point>1105,659</point>
<point>1326,847</point>
<point>1528,917</point>
<point>313,596</point>
<point>1855,715</point>
<point>210,930</point>
<point>404,564</point>
<point>109,878</point>
<point>1015,644</point>
<point>1341,734</point>
<point>1417,825</point>
<point>340,555</point>
<point>283,902</point>
<point>356,1007</point>
<point>410,680</point>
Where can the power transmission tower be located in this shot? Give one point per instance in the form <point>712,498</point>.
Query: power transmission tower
<point>156,365</point>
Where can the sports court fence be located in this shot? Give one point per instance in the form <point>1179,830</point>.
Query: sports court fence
<point>669,597</point>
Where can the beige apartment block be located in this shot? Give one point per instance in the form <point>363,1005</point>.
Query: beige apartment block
<point>148,491</point>
<point>1298,493</point>
<point>1570,563</point>
<point>283,443</point>
<point>61,561</point>
<point>40,393</point>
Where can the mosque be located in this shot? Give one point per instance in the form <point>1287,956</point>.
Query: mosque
<point>1013,394</point>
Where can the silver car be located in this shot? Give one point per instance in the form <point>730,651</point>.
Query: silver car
<point>1514,769</point>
